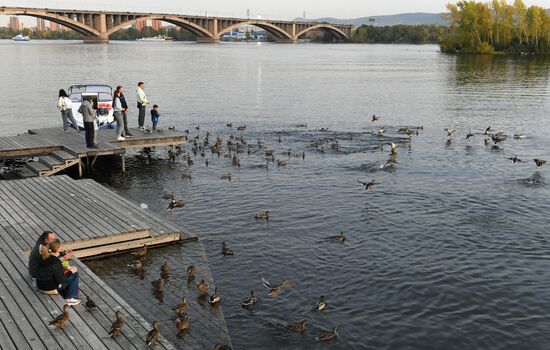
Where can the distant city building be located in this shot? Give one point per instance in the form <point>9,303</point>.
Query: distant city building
<point>40,24</point>
<point>156,24</point>
<point>14,23</point>
<point>54,26</point>
<point>140,25</point>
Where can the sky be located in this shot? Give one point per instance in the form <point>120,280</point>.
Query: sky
<point>278,9</point>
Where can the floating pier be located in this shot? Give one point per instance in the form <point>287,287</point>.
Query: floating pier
<point>57,150</point>
<point>93,221</point>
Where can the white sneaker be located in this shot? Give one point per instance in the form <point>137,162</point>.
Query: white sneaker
<point>72,301</point>
<point>120,138</point>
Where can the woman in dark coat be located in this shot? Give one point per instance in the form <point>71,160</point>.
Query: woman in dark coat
<point>52,275</point>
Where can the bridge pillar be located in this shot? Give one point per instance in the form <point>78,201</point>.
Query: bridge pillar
<point>99,23</point>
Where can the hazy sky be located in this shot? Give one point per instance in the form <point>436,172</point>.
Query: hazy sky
<point>281,9</point>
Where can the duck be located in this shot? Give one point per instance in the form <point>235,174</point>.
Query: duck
<point>515,159</point>
<point>328,335</point>
<point>222,347</point>
<point>215,298</point>
<point>158,285</point>
<point>61,320</point>
<point>449,131</point>
<point>393,148</point>
<point>229,125</point>
<point>227,177</point>
<point>321,304</point>
<point>497,138</point>
<point>153,335</point>
<point>469,135</point>
<point>226,251</point>
<point>191,270</point>
<point>168,196</point>
<point>381,131</point>
<point>339,237</point>
<point>281,162</point>
<point>368,185</point>
<point>117,326</point>
<point>375,118</point>
<point>206,163</point>
<point>488,130</point>
<point>203,287</point>
<point>164,268</point>
<point>264,166</point>
<point>391,161</point>
<point>275,290</point>
<point>539,162</point>
<point>186,176</point>
<point>136,265</point>
<point>90,304</point>
<point>175,204</point>
<point>141,252</point>
<point>297,327</point>
<point>182,307</point>
<point>241,127</point>
<point>264,215</point>
<point>183,324</point>
<point>251,300</point>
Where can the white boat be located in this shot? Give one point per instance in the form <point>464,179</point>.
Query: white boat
<point>154,38</point>
<point>21,37</point>
<point>102,97</point>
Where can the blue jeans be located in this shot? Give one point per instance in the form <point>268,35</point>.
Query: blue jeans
<point>71,289</point>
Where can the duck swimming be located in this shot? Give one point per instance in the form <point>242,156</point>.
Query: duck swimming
<point>281,162</point>
<point>61,320</point>
<point>141,252</point>
<point>539,162</point>
<point>449,131</point>
<point>164,268</point>
<point>153,335</point>
<point>215,298</point>
<point>297,327</point>
<point>227,177</point>
<point>251,300</point>
<point>191,270</point>
<point>158,285</point>
<point>136,265</point>
<point>339,237</point>
<point>117,326</point>
<point>202,287</point>
<point>226,251</point>
<point>327,335</point>
<point>182,307</point>
<point>175,204</point>
<point>274,291</point>
<point>515,159</point>
<point>321,304</point>
<point>265,215</point>
<point>183,324</point>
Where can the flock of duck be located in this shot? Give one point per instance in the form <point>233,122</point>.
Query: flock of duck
<point>232,149</point>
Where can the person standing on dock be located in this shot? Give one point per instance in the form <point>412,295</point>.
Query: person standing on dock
<point>65,105</point>
<point>117,114</point>
<point>155,116</point>
<point>142,103</point>
<point>89,117</point>
<point>126,132</point>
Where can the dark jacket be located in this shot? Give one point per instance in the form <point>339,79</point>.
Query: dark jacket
<point>50,274</point>
<point>123,102</point>
<point>35,258</point>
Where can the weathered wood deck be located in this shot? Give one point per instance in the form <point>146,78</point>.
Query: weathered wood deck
<point>87,217</point>
<point>94,220</point>
<point>47,143</point>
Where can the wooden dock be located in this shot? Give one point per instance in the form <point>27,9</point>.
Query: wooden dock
<point>57,150</point>
<point>92,220</point>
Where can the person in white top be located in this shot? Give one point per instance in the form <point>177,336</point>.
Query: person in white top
<point>142,103</point>
<point>65,105</point>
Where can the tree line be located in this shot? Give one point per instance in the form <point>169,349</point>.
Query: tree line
<point>488,27</point>
<point>399,34</point>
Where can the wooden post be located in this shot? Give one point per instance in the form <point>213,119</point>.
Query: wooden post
<point>79,168</point>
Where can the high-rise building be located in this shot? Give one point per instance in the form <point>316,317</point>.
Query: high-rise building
<point>54,26</point>
<point>156,24</point>
<point>140,25</point>
<point>40,24</point>
<point>14,23</point>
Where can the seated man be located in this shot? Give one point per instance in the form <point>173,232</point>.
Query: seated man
<point>36,253</point>
<point>51,275</point>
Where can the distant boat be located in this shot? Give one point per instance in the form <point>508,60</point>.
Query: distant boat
<point>156,38</point>
<point>21,37</point>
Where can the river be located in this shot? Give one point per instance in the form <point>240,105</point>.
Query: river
<point>449,250</point>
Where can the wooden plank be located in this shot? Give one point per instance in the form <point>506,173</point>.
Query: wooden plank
<point>11,327</point>
<point>5,340</point>
<point>129,245</point>
<point>48,216</point>
<point>101,241</point>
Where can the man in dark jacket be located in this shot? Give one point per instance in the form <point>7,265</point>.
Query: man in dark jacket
<point>124,112</point>
<point>35,257</point>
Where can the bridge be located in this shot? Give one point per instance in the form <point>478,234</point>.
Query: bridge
<point>96,26</point>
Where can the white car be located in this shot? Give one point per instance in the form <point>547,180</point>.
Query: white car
<point>102,101</point>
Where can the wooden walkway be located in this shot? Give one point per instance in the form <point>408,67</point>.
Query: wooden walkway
<point>92,220</point>
<point>47,144</point>
<point>87,217</point>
